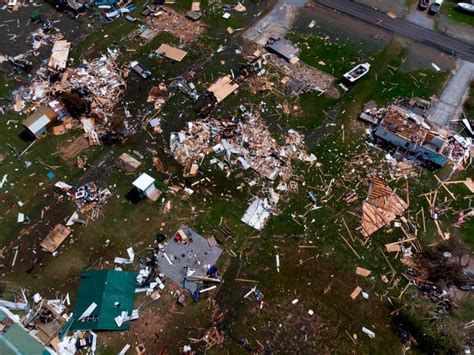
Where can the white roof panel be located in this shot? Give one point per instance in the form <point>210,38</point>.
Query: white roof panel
<point>39,124</point>
<point>143,181</point>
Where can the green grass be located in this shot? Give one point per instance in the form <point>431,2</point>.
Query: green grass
<point>334,56</point>
<point>125,224</point>
<point>454,13</point>
<point>469,104</point>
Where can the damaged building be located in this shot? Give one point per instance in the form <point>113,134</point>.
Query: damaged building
<point>404,125</point>
<point>284,48</point>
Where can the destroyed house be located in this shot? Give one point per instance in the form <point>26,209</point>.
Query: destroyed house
<point>14,339</point>
<point>414,133</point>
<point>104,300</point>
<point>37,122</point>
<point>284,48</point>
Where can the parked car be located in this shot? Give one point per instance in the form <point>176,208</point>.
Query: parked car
<point>423,4</point>
<point>434,8</point>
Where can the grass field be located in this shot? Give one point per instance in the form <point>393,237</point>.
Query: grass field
<point>317,265</point>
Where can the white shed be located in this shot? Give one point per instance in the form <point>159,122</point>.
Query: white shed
<point>146,184</point>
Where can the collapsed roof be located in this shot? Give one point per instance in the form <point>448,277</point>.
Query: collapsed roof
<point>381,207</point>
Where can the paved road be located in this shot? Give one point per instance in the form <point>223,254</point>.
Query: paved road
<point>449,104</point>
<point>402,27</point>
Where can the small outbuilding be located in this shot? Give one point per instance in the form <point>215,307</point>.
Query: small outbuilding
<point>39,120</point>
<point>146,186</point>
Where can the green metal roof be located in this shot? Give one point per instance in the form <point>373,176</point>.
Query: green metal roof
<point>16,340</point>
<point>105,288</point>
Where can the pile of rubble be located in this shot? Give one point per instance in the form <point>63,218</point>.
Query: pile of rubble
<point>87,197</point>
<point>304,78</point>
<point>247,141</point>
<point>404,124</point>
<point>100,82</point>
<point>166,19</point>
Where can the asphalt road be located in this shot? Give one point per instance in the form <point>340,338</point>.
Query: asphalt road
<point>402,27</point>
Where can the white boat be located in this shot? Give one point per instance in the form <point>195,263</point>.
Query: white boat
<point>466,7</point>
<point>357,72</point>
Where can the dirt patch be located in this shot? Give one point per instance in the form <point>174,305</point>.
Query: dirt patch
<point>276,23</point>
<point>304,77</point>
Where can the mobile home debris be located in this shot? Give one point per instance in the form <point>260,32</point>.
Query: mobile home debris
<point>55,238</point>
<point>128,163</point>
<point>15,339</point>
<point>404,125</point>
<point>59,55</point>
<point>171,52</point>
<point>186,259</point>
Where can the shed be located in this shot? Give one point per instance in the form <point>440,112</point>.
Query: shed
<point>102,297</point>
<point>145,184</point>
<point>37,122</point>
<point>171,52</point>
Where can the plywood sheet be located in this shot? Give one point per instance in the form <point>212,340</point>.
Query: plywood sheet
<point>54,239</point>
<point>171,52</point>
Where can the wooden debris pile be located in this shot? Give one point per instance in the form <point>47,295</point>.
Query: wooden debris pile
<point>381,207</point>
<point>247,142</point>
<point>160,19</point>
<point>100,82</point>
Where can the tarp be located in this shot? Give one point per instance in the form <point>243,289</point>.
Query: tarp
<point>113,292</point>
